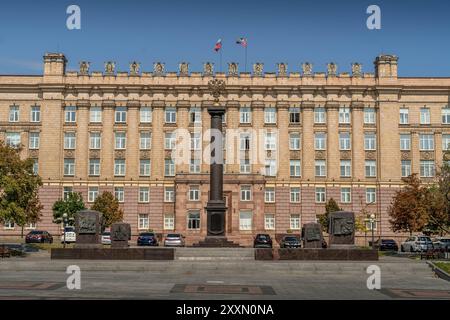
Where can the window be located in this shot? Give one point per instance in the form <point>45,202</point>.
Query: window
<point>144,222</point>
<point>31,226</point>
<point>95,114</point>
<point>269,194</point>
<point>169,140</point>
<point>371,195</point>
<point>244,141</point>
<point>194,166</point>
<point>424,116</point>
<point>320,194</point>
<point>9,224</point>
<point>144,167</point>
<point>145,115</point>
<point>195,115</point>
<point>295,194</point>
<point>194,193</point>
<point>446,142</point>
<point>194,220</point>
<point>94,167</point>
<point>70,113</point>
<point>245,166</point>
<point>245,115</point>
<point>92,194</point>
<point>270,115</point>
<point>426,141</point>
<point>404,116</point>
<point>270,167</point>
<point>405,141</point>
<point>169,167</point>
<point>66,192</point>
<point>406,168</point>
<point>344,141</point>
<point>69,167</point>
<point>119,193</point>
<point>371,225</point>
<point>446,115</point>
<point>245,220</point>
<point>36,166</point>
<point>319,115</point>
<point>170,115</point>
<point>13,139</point>
<point>14,114</point>
<point>427,168</point>
<point>294,221</point>
<point>294,141</point>
<point>294,115</point>
<point>295,168</point>
<point>169,222</point>
<point>34,140</point>
<point>95,139</point>
<point>119,167</point>
<point>196,142</point>
<point>121,115</point>
<point>370,141</point>
<point>35,115</point>
<point>369,115</point>
<point>246,193</point>
<point>69,140</point>
<point>320,141</point>
<point>346,195</point>
<point>320,168</point>
<point>344,115</point>
<point>269,221</point>
<point>120,140</point>
<point>169,194</point>
<point>144,194</point>
<point>346,168</point>
<point>145,140</point>
<point>371,169</point>
<point>270,141</point>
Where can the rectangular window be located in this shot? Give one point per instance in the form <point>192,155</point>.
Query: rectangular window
<point>346,195</point>
<point>369,115</point>
<point>145,115</point>
<point>370,168</point>
<point>196,141</point>
<point>95,114</point>
<point>144,167</point>
<point>145,142</point>
<point>144,194</point>
<point>446,142</point>
<point>406,168</point>
<point>69,140</point>
<point>246,193</point>
<point>446,115</point>
<point>320,195</point>
<point>94,167</point>
<point>370,141</point>
<point>66,192</point>
<point>245,220</point>
<point>170,115</point>
<point>169,222</point>
<point>244,141</point>
<point>344,115</point>
<point>169,140</point>
<point>120,140</point>
<point>169,194</point>
<point>169,167</point>
<point>194,220</point>
<point>295,194</point>
<point>269,194</point>
<point>320,141</point>
<point>405,141</point>
<point>424,116</point>
<point>119,167</point>
<point>95,139</point>
<point>427,168</point>
<point>245,115</point>
<point>269,221</point>
<point>426,142</point>
<point>13,139</point>
<point>295,168</point>
<point>294,115</point>
<point>320,168</point>
<point>9,225</point>
<point>144,222</point>
<point>36,166</point>
<point>69,167</point>
<point>319,115</point>
<point>119,193</point>
<point>344,141</point>
<point>270,141</point>
<point>92,194</point>
<point>195,115</point>
<point>270,115</point>
<point>294,141</point>
<point>270,167</point>
<point>70,113</point>
<point>194,193</point>
<point>195,166</point>
<point>346,168</point>
<point>404,116</point>
<point>35,115</point>
<point>14,114</point>
<point>371,195</point>
<point>245,166</point>
<point>121,115</point>
<point>294,221</point>
<point>34,140</point>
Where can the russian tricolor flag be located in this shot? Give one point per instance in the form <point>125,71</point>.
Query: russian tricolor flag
<point>242,42</point>
<point>218,45</point>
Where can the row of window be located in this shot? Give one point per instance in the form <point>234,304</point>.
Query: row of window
<point>425,115</point>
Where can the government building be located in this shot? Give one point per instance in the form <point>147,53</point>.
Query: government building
<point>293,140</point>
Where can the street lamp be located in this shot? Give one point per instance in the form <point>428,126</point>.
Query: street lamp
<point>64,216</point>
<point>372,222</point>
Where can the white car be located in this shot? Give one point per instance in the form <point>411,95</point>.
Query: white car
<point>70,235</point>
<point>416,243</point>
<point>106,238</point>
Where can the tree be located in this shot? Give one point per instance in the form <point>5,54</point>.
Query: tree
<point>408,211</point>
<point>330,206</point>
<point>108,205</point>
<point>19,186</point>
<point>71,205</point>
<point>438,201</point>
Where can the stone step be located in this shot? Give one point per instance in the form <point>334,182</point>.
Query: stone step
<point>211,254</point>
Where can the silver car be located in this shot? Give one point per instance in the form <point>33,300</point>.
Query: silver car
<point>442,243</point>
<point>417,243</point>
<point>174,240</point>
<point>106,238</point>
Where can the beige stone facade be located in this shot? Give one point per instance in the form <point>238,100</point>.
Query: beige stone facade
<point>346,136</point>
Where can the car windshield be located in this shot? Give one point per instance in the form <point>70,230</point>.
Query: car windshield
<point>290,239</point>
<point>106,233</point>
<point>263,237</point>
<point>445,240</point>
<point>387,241</point>
<point>147,234</point>
<point>173,235</point>
<point>36,232</point>
<point>425,239</point>
<point>69,229</point>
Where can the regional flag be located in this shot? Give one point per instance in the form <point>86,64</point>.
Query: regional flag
<point>242,42</point>
<point>218,45</point>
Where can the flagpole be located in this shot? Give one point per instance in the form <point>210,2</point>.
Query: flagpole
<point>246,58</point>
<point>220,53</point>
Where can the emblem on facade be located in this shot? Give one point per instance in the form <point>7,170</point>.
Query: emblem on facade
<point>370,155</point>
<point>232,69</point>
<point>258,69</point>
<point>405,155</point>
<point>134,68</point>
<point>158,69</point>
<point>307,69</point>
<point>184,69</point>
<point>110,67</point>
<point>332,69</point>
<point>208,69</point>
<point>84,68</point>
<point>357,70</point>
<point>282,69</point>
<point>216,87</point>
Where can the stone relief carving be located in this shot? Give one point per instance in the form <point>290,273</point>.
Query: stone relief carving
<point>208,69</point>
<point>94,154</point>
<point>371,155</point>
<point>158,69</point>
<point>405,155</point>
<point>145,155</point>
<point>120,154</point>
<point>320,155</point>
<point>258,69</point>
<point>184,69</point>
<point>232,69</point>
<point>282,69</point>
<point>84,68</point>
<point>331,69</point>
<point>346,155</point>
<point>357,70</point>
<point>110,67</point>
<point>307,69</point>
<point>134,68</point>
<point>427,155</point>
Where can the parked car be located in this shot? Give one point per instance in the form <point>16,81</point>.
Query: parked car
<point>386,245</point>
<point>71,236</point>
<point>290,242</point>
<point>106,238</point>
<point>38,236</point>
<point>442,243</point>
<point>262,241</point>
<point>174,240</point>
<point>416,243</point>
<point>147,239</point>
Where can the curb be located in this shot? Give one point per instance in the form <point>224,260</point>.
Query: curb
<point>439,272</point>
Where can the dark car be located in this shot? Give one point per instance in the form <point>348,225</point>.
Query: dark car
<point>147,239</point>
<point>290,242</point>
<point>386,245</point>
<point>38,236</point>
<point>262,241</point>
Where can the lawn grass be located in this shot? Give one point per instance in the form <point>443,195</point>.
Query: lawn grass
<point>444,266</point>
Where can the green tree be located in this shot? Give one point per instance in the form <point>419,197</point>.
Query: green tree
<point>71,205</point>
<point>330,206</point>
<point>438,201</point>
<point>19,186</point>
<point>108,205</point>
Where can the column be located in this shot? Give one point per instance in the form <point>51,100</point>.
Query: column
<point>307,146</point>
<point>358,152</point>
<point>232,147</point>
<point>157,152</point>
<point>82,140</point>
<point>415,152</point>
<point>107,142</point>
<point>333,152</point>
<point>283,155</point>
<point>258,133</point>
<point>183,122</point>
<point>133,139</point>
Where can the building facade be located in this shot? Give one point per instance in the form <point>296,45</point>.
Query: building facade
<point>293,140</point>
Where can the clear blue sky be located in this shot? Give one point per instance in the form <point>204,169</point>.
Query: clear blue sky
<point>172,31</point>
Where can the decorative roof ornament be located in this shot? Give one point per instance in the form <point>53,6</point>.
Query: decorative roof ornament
<point>134,68</point>
<point>216,87</point>
<point>258,69</point>
<point>84,68</point>
<point>307,69</point>
<point>208,69</point>
<point>233,69</point>
<point>282,69</point>
<point>331,69</point>
<point>184,69</point>
<point>158,69</point>
<point>357,70</point>
<point>110,67</point>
